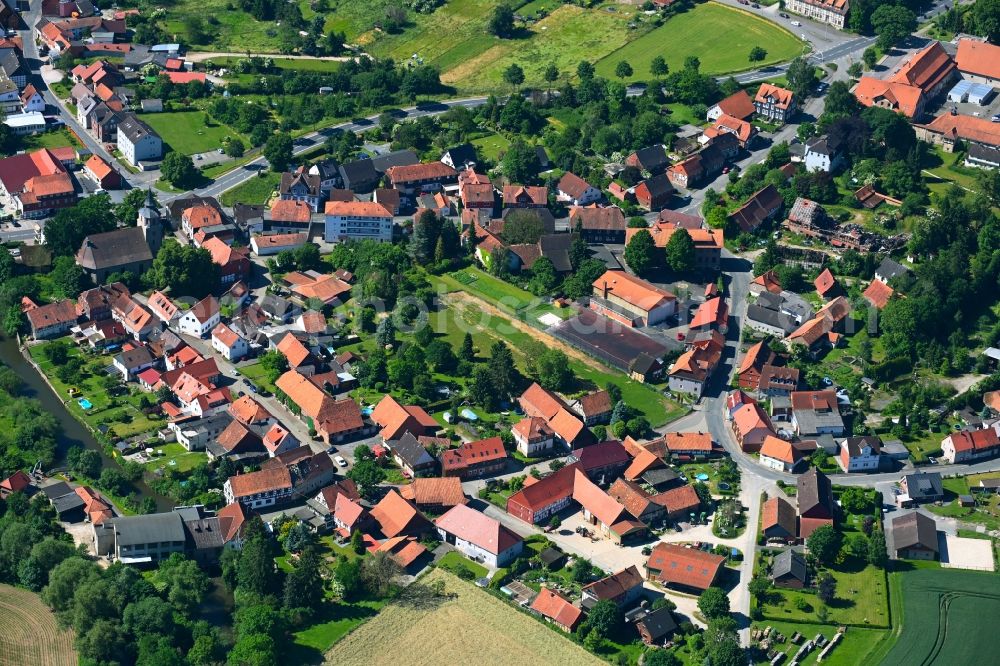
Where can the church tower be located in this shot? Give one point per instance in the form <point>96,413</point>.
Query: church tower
<point>151,224</point>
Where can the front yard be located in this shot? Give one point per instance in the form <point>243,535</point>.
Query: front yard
<point>189,132</point>
<point>254,191</point>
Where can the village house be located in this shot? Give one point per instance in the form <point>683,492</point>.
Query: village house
<point>533,436</point>
<point>824,329</point>
<point>693,369</point>
<point>860,454</point>
<point>525,196</point>
<point>414,179</point>
<point>233,262</point>
<point>267,245</point>
<point>604,512</point>
<point>917,82</point>
<point>783,456</point>
<point>568,429</point>
<point>764,372</point>
<point>788,569</point>
<point>103,174</point>
<point>131,362</point>
<point>738,105</point>
<point>637,502</point>
<point>301,186</point>
<point>763,205</point>
<point>472,460</point>
<point>631,300</point>
<point>602,461</point>
<point>878,294</point>
<point>777,105</point>
<point>688,569</point>
<point>479,537</point>
<point>594,407</point>
<point>778,520</point>
<point>358,220</point>
<point>333,420</point>
<point>225,341</point>
<point>397,517</point>
<point>201,318</point>
<point>52,320</point>
<point>652,159</point>
<point>622,587</point>
<point>137,141</point>
<point>978,61</point>
<point>833,12</point>
<point>434,495</point>
<point>744,132</point>
<point>920,487</point>
<point>598,224</point>
<point>914,537</point>
<point>814,494</point>
<point>134,317</point>
<point>969,445</point>
<point>412,457</point>
<point>538,502</point>
<point>822,154</point>
<point>751,426</point>
<point>576,191</point>
<point>816,413</point>
<point>827,286</point>
<point>557,609</point>
<point>708,243</point>
<point>395,419</point>
<point>657,626</point>
<point>951,129</point>
<point>36,184</point>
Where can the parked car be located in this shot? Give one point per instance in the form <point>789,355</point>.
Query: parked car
<point>340,461</point>
<point>784,15</point>
<point>797,24</point>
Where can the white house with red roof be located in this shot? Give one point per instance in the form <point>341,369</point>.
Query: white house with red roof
<point>228,343</point>
<point>199,321</point>
<point>968,445</point>
<point>478,536</point>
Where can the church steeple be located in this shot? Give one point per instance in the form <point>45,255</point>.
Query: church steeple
<point>151,224</point>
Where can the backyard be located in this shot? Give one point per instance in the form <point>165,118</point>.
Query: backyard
<point>720,37</point>
<point>479,628</point>
<point>253,191</point>
<point>189,132</point>
<point>986,511</point>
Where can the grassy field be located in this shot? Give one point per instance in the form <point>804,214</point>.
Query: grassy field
<point>55,139</point>
<point>174,456</point>
<point>236,31</point>
<point>189,132</point>
<point>942,612</point>
<point>287,64</point>
<point>855,647</point>
<point>254,191</point>
<point>465,626</point>
<point>256,373</point>
<point>719,36</point>
<point>491,146</point>
<point>454,561</point>
<point>30,634</point>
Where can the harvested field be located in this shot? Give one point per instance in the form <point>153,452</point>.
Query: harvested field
<point>30,634</point>
<point>466,626</point>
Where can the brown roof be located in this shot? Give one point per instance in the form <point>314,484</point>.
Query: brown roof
<point>416,172</point>
<point>594,217</point>
<point>782,97</point>
<point>470,453</point>
<point>532,428</point>
<point>604,507</point>
<point>513,194</point>
<point>738,105</point>
<point>979,58</point>
<point>573,185</point>
<point>329,415</point>
<point>557,608</point>
<point>405,550</point>
<point>615,585</point>
<point>53,314</point>
<point>595,403</point>
<point>814,494</point>
<point>683,499</point>
<point>914,530</point>
<point>395,515</point>
<point>536,401</point>
<point>478,529</point>
<point>205,309</point>
<point>689,567</point>
<point>629,494</point>
<point>446,491</point>
<point>968,128</point>
<point>253,483</point>
<point>822,401</point>
<point>769,281</point>
<point>779,513</point>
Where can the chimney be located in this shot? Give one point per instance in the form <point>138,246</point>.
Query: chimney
<point>605,291</point>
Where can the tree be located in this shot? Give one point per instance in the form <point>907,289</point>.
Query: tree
<point>680,251</point>
<point>856,500</point>
<point>757,54</point>
<point>604,618</point>
<point>385,333</point>
<point>85,462</point>
<point>554,373</point>
<point>186,583</point>
<point>826,588</point>
<point>892,24</point>
<point>544,277</point>
<point>150,615</point>
<point>585,70</point>
<point>713,603</point>
<point>855,70</point>
<point>253,650</point>
<point>380,572</point>
<point>551,75</point>
<point>64,580</point>
<point>357,542</point>
<point>65,232</point>
<point>278,152</point>
<point>984,18</point>
<point>658,67</point>
<point>67,276</point>
<point>501,22</point>
<point>127,212</point>
<point>759,587</point>
<point>178,169</point>
<point>426,233</point>
<point>468,351</point>
<point>233,146</point>
<point>520,162</point>
<point>503,372</point>
<point>522,227</point>
<point>184,269</point>
<point>367,475</point>
<point>869,57</point>
<point>824,543</point>
<point>801,76</point>
<point>641,253</point>
<point>659,657</point>
<point>304,585</point>
<point>623,70</point>
<point>514,75</point>
<point>877,554</point>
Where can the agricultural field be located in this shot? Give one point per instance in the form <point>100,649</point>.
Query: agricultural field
<point>942,612</point>
<point>189,132</point>
<point>719,36</point>
<point>30,634</point>
<point>480,629</point>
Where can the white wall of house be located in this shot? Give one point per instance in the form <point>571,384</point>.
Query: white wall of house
<point>685,385</point>
<point>534,448</point>
<point>478,553</point>
<point>338,227</point>
<point>191,325</point>
<point>774,463</point>
<point>234,353</point>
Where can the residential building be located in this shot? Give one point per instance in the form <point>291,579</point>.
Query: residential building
<point>751,426</point>
<point>52,320</point>
<point>816,413</point>
<point>397,517</point>
<point>603,511</point>
<point>411,456</point>
<point>778,520</point>
<point>822,154</point>
<point>271,244</point>
<point>652,159</point>
<point>689,569</point>
<point>359,175</point>
<point>103,174</point>
<point>637,502</point>
<point>767,281</point>
<point>777,105</point>
<point>137,141</point>
<point>788,569</point>
<point>814,494</point>
<point>827,286</point>
<point>225,341</point>
<point>889,270</point>
<point>140,539</point>
<point>738,105</point>
<point>599,224</point>
<point>763,205</point>
<point>473,460</point>
<point>969,445</point>
<point>914,84</point>
<point>538,502</point>
<point>134,317</point>
<point>878,294</point>
<point>783,456</point>
<point>525,196</point>
<point>602,461</point>
<point>299,185</point>
<point>824,329</point>
<point>435,495</point>
<point>833,12</point>
<point>708,243</point>
<point>533,436</point>
<point>860,454</point>
<point>654,193</point>
<point>358,220</point>
<point>201,318</point>
<point>764,372</point>
<point>656,626</point>
<point>622,587</point>
<point>333,420</point>
<point>132,361</point>
<point>35,184</point>
<point>949,128</point>
<point>631,300</point>
<point>693,369</point>
<point>914,537</point>
<point>567,428</point>
<point>395,419</point>
<point>594,407</point>
<point>920,487</point>
<point>479,537</point>
<point>744,132</point>
<point>233,262</point>
<point>411,180</point>
<point>557,609</point>
<point>576,191</point>
<point>460,157</point>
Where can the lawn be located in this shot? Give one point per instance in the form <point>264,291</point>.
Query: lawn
<point>31,635</point>
<point>256,373</point>
<point>861,599</point>
<point>454,561</point>
<point>464,625</point>
<point>288,64</point>
<point>720,37</point>
<point>490,147</point>
<point>951,169</point>
<point>54,139</point>
<point>174,456</point>
<point>235,30</point>
<point>942,616</point>
<point>855,647</point>
<point>335,620</point>
<point>254,191</point>
<point>986,512</point>
<point>189,132</point>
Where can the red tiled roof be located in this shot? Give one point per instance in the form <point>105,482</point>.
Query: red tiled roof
<point>395,419</point>
<point>253,483</point>
<point>878,294</point>
<point>470,453</point>
<point>778,513</point>
<point>782,97</point>
<point>683,499</point>
<point>417,172</point>
<point>825,282</point>
<point>967,128</point>
<point>185,77</point>
<point>713,312</point>
<point>738,105</point>
<point>290,210</point>
<point>395,515</point>
<point>978,58</point>
<point>900,97</point>
<point>601,505</point>
<point>633,290</point>
<point>573,185</point>
<point>445,491</point>
<point>779,449</point>
<point>684,566</point>
<point>557,608</point>
<point>546,491</point>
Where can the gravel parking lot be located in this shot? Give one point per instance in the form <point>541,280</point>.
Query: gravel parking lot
<point>963,553</point>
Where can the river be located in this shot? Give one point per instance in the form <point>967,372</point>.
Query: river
<point>74,433</point>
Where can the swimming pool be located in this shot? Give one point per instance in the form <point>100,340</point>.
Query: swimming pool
<point>468,414</point>
<point>701,477</point>
<point>84,403</point>
<point>367,411</point>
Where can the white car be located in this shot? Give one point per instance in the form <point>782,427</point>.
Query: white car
<point>340,461</point>
<point>796,23</point>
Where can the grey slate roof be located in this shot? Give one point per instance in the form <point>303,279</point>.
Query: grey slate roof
<point>150,528</point>
<point>382,163</point>
<point>814,493</point>
<point>411,452</point>
<point>890,269</point>
<point>914,529</point>
<point>113,248</point>
<point>789,562</point>
<point>135,129</point>
<point>924,486</point>
<point>134,358</point>
<point>658,623</point>
<point>358,174</point>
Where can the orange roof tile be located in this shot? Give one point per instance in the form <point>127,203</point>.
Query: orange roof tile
<point>356,209</point>
<point>878,294</point>
<point>978,58</point>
